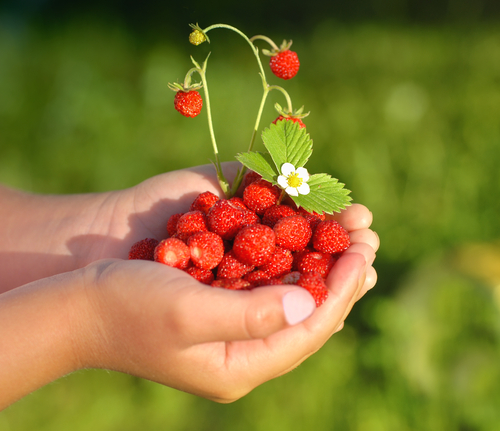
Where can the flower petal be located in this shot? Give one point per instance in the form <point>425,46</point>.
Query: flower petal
<point>292,191</point>
<point>304,189</point>
<point>282,182</point>
<point>287,169</point>
<point>302,174</point>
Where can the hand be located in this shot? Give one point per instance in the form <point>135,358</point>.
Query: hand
<point>158,323</point>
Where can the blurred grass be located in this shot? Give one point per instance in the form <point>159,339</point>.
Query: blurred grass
<point>405,116</point>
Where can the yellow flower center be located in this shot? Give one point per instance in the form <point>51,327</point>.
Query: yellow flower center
<point>294,180</point>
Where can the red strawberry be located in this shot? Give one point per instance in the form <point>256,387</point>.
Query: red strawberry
<point>203,275</point>
<point>285,64</point>
<point>250,216</point>
<point>172,223</point>
<point>250,177</point>
<point>188,103</point>
<point>315,261</point>
<point>276,212</point>
<point>315,285</point>
<point>232,284</point>
<point>143,249</point>
<point>256,276</point>
<point>292,232</point>
<point>330,237</point>
<point>231,267</point>
<point>225,219</point>
<point>173,252</point>
<point>279,264</point>
<point>206,249</point>
<point>203,202</point>
<point>304,212</point>
<point>254,244</point>
<point>190,223</point>
<point>260,195</point>
<point>268,282</point>
<point>290,118</point>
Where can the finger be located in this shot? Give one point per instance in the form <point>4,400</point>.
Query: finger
<point>364,249</point>
<point>370,281</point>
<point>210,314</point>
<point>287,349</point>
<point>354,217</point>
<point>365,236</point>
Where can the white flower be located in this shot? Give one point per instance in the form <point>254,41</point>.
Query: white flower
<point>294,181</point>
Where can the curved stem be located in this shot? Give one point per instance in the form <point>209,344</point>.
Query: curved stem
<point>267,39</point>
<point>287,96</point>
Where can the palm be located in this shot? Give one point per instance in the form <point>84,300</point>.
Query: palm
<point>142,211</point>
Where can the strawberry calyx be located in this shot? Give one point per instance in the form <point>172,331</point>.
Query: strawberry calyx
<point>197,36</point>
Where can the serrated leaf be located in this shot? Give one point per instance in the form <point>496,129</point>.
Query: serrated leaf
<point>327,195</point>
<point>260,163</point>
<point>286,141</point>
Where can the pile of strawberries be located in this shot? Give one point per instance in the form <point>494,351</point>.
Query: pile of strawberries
<point>249,241</point>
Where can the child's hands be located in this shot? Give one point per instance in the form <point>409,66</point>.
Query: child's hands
<point>158,323</point>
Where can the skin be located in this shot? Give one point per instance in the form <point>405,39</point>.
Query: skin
<point>72,301</point>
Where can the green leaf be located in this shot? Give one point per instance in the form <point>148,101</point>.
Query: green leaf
<point>260,163</point>
<point>327,194</point>
<point>287,142</point>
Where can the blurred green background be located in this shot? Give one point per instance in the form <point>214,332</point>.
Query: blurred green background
<point>404,99</point>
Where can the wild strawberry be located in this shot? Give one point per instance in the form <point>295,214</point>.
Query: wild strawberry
<point>279,264</point>
<point>203,275</point>
<point>315,261</point>
<point>268,282</point>
<point>315,285</point>
<point>206,249</point>
<point>250,217</point>
<point>256,276</point>
<point>276,212</point>
<point>330,237</point>
<point>313,220</point>
<point>225,219</point>
<point>254,244</point>
<point>304,212</point>
<point>290,118</point>
<point>250,177</point>
<point>203,202</point>
<point>285,64</point>
<point>297,256</point>
<point>172,252</point>
<point>172,224</point>
<point>190,223</point>
<point>260,195</point>
<point>292,232</point>
<point>143,249</point>
<point>232,284</point>
<point>188,103</point>
<point>231,267</point>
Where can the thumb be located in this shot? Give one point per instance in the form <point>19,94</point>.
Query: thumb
<point>216,314</point>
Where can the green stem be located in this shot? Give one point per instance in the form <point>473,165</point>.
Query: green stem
<point>287,96</point>
<point>220,176</point>
<point>267,39</point>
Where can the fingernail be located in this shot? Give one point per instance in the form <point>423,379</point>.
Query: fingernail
<point>298,306</point>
